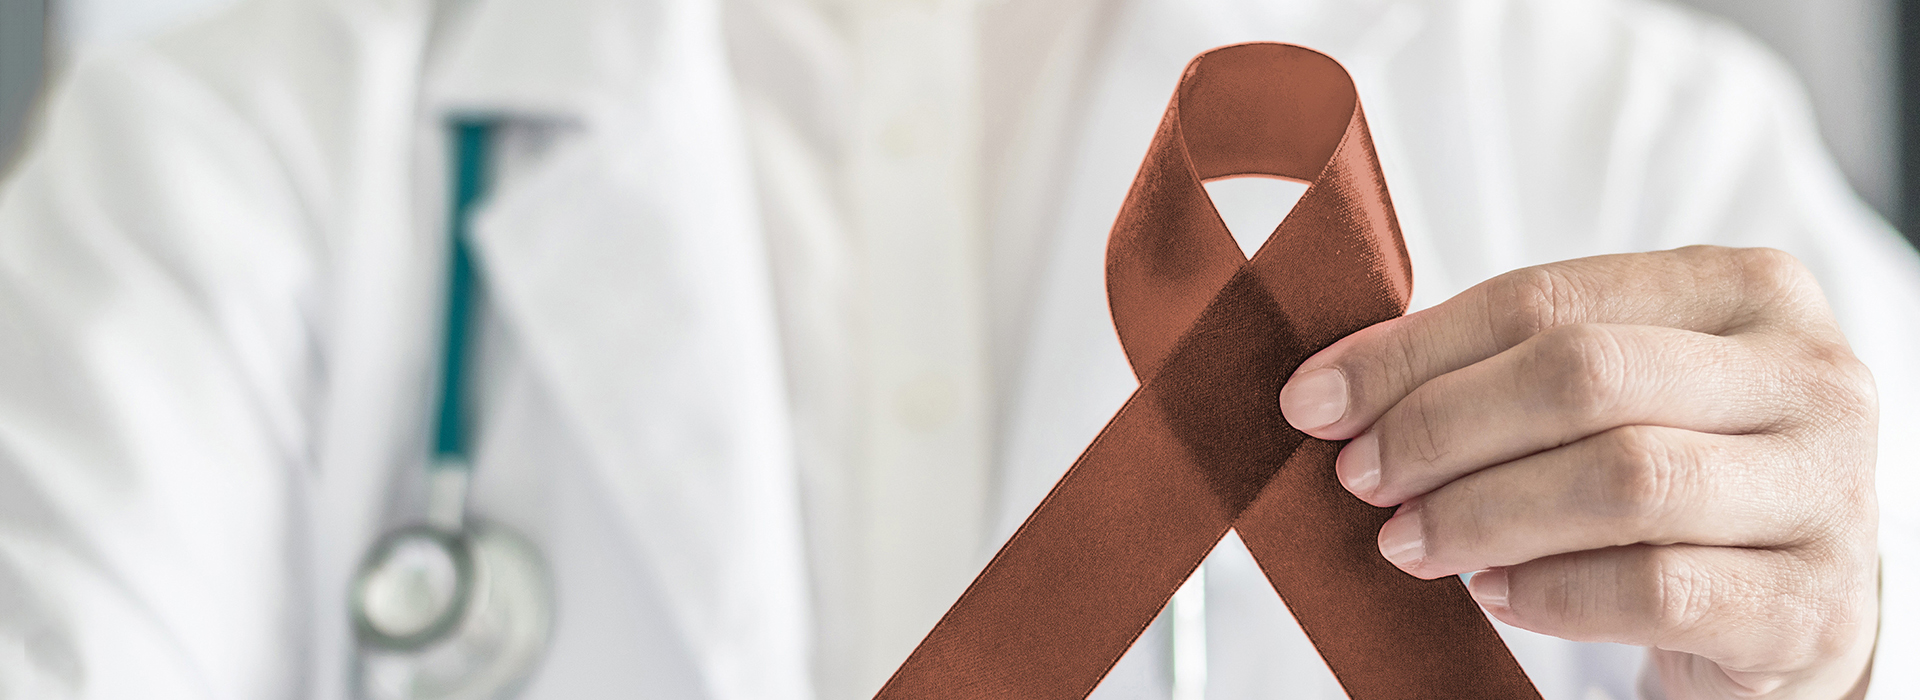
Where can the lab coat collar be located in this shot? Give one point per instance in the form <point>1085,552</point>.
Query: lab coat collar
<point>551,59</point>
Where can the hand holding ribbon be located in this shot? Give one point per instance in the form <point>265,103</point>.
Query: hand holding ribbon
<point>1201,447</point>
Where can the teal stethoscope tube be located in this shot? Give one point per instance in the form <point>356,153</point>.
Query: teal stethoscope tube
<point>452,608</point>
<point>472,143</point>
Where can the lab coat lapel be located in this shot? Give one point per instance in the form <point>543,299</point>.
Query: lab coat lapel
<point>630,264</point>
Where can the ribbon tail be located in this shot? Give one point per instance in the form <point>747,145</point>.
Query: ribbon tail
<point>1385,634</point>
<point>1081,579</point>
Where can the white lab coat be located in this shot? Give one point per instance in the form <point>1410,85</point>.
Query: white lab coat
<point>219,271</point>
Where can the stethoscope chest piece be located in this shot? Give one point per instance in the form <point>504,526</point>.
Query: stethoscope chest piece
<point>450,614</point>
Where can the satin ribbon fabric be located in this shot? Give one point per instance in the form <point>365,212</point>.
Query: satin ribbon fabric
<point>1201,447</point>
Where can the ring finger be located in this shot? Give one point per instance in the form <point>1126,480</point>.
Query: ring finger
<point>1629,485</point>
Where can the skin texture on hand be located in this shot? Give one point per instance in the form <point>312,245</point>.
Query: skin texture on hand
<point>1673,450</point>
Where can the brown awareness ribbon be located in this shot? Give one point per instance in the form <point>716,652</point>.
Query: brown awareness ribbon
<point>1201,447</point>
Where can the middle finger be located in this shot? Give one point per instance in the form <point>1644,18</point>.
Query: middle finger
<point>1553,389</point>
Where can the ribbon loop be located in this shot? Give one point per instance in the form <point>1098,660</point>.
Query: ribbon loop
<point>1201,446</point>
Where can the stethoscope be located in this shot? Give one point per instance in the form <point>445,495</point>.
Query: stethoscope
<point>452,607</point>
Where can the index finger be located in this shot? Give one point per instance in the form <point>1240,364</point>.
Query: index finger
<point>1340,391</point>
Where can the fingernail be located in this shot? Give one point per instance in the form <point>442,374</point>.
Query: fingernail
<point>1358,465</point>
<point>1401,540</point>
<point>1489,588</point>
<point>1314,399</point>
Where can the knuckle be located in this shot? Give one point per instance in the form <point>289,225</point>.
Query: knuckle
<point>1454,528</point>
<point>1847,598</point>
<point>1557,595</point>
<point>1643,480</point>
<point>1397,361</point>
<point>1770,268</point>
<point>1581,367</point>
<point>1681,594</point>
<point>1771,273</point>
<point>1816,614</point>
<point>1525,303</point>
<point>1843,380</point>
<point>1419,433</point>
<point>1830,622</point>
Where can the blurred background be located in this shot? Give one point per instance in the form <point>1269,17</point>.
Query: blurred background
<point>1860,60</point>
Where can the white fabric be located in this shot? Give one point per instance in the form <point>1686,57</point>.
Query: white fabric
<point>795,309</point>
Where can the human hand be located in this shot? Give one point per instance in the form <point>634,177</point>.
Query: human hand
<point>1673,450</point>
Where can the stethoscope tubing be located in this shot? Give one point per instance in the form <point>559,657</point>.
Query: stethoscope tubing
<point>501,599</point>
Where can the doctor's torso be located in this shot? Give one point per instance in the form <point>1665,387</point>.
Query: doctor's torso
<point>791,310</point>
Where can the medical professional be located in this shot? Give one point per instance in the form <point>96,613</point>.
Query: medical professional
<point>790,310</point>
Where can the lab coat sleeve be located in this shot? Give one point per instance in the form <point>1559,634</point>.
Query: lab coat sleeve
<point>155,321</point>
<point>1738,161</point>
